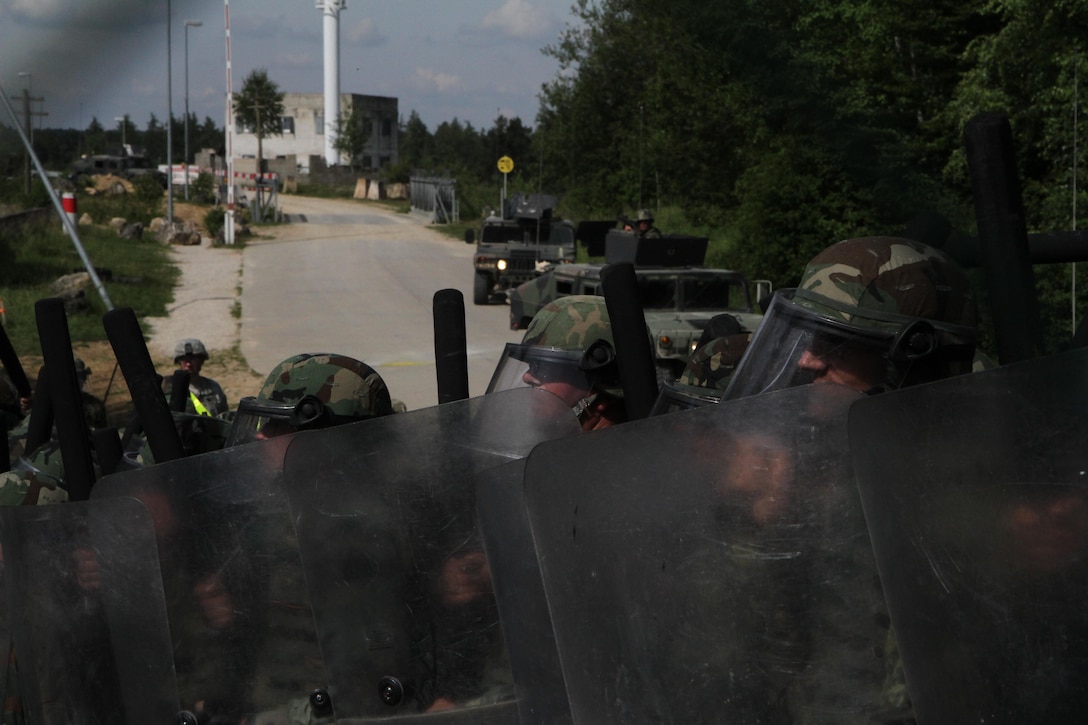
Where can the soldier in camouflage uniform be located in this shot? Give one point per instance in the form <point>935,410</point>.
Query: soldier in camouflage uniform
<point>308,392</point>
<point>871,314</point>
<point>874,314</point>
<point>645,228</point>
<point>568,350</point>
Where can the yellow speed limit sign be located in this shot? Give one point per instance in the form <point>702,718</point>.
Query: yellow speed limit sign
<point>506,164</point>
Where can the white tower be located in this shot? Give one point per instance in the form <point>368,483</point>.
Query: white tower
<point>331,10</point>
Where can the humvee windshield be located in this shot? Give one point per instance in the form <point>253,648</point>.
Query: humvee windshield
<point>512,233</point>
<point>667,292</point>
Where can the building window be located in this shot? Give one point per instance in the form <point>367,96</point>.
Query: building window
<point>387,128</point>
<point>287,124</point>
<point>319,123</point>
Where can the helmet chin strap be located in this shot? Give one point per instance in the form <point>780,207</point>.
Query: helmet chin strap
<point>582,406</point>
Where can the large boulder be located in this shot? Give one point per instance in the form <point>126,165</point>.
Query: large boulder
<point>134,231</point>
<point>72,288</point>
<point>180,233</point>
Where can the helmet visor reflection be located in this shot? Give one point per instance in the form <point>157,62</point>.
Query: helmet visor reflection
<point>261,419</point>
<point>523,366</point>
<point>787,332</point>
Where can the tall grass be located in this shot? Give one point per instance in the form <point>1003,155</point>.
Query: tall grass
<point>136,274</point>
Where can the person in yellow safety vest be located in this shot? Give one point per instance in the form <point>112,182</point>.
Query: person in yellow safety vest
<point>206,397</point>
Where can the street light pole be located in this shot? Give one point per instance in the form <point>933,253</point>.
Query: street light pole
<point>188,24</point>
<point>169,124</point>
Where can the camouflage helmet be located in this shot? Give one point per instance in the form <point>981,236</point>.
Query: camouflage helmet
<point>711,365</point>
<point>570,323</point>
<point>190,347</point>
<point>313,390</point>
<point>571,334</point>
<point>889,311</point>
<point>882,282</point>
<point>644,215</point>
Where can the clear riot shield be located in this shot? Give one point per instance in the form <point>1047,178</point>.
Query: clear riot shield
<point>86,603</point>
<point>714,566</point>
<point>519,593</point>
<point>400,582</point>
<point>976,490</point>
<point>240,621</point>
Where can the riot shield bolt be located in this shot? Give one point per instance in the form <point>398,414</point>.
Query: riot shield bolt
<point>320,702</point>
<point>391,691</point>
<point>186,718</point>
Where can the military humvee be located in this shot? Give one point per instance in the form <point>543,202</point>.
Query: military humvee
<point>519,245</point>
<point>678,296</point>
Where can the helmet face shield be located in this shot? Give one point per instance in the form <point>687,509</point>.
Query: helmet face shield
<point>524,366</point>
<point>259,419</point>
<point>793,345</point>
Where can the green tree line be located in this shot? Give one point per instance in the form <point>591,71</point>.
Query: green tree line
<point>782,127</point>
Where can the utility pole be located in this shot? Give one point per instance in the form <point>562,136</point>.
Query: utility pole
<point>28,127</point>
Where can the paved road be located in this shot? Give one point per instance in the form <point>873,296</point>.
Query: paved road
<point>351,278</point>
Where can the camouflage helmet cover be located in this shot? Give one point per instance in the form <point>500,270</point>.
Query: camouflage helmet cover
<point>348,387</point>
<point>880,282</point>
<point>570,323</point>
<point>644,215</point>
<point>711,365</point>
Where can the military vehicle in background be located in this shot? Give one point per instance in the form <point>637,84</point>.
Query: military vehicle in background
<point>678,295</point>
<point>124,162</point>
<point>521,244</point>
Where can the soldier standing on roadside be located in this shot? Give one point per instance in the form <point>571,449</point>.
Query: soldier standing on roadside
<point>206,397</point>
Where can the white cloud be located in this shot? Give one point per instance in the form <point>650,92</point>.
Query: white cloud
<point>517,18</point>
<point>434,80</point>
<point>365,33</point>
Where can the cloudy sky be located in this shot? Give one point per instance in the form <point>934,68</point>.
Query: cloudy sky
<point>445,59</point>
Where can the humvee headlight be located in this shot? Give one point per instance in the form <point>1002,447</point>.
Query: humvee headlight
<point>501,264</point>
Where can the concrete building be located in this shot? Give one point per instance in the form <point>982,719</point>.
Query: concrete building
<point>304,127</point>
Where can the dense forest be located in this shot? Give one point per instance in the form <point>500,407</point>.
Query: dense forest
<point>775,128</point>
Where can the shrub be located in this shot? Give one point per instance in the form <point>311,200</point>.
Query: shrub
<point>213,220</point>
<point>203,189</point>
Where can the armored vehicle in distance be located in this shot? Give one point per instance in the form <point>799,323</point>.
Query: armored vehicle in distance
<point>678,295</point>
<point>518,246</point>
<point>125,162</point>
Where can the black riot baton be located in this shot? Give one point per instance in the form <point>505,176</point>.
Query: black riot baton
<point>64,390</point>
<point>41,415</point>
<point>634,356</point>
<point>11,363</point>
<point>450,345</point>
<point>127,340</point>
<point>179,390</point>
